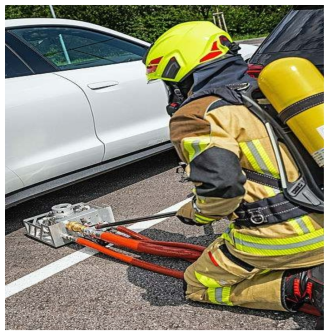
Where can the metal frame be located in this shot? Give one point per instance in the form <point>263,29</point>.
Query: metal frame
<point>50,227</point>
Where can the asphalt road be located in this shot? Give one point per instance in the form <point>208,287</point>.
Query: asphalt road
<point>101,293</point>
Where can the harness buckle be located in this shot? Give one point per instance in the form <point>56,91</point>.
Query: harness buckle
<point>256,216</point>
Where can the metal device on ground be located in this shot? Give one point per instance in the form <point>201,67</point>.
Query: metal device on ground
<point>92,226</point>
<point>50,227</point>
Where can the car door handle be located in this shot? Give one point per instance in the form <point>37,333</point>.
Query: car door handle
<point>102,85</point>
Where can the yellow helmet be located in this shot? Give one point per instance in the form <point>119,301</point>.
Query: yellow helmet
<point>186,47</point>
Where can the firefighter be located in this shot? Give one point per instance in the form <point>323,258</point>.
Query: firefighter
<point>271,255</point>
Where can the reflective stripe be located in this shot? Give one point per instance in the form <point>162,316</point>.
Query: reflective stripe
<point>277,246</point>
<point>202,219</point>
<point>246,150</point>
<point>226,234</point>
<point>206,281</point>
<point>220,295</point>
<point>302,225</point>
<point>308,223</point>
<point>296,226</point>
<point>265,157</point>
<point>278,241</point>
<point>258,158</point>
<point>190,150</point>
<point>201,199</point>
<point>265,271</point>
<point>271,191</point>
<point>195,146</point>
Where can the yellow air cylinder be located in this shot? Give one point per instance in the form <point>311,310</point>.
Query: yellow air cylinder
<point>295,88</point>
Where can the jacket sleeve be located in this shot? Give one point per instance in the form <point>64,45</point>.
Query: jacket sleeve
<point>212,156</point>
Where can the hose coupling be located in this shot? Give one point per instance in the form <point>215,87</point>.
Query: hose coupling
<point>75,226</point>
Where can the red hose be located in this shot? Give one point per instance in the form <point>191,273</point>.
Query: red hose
<point>139,236</point>
<point>133,234</point>
<point>150,247</point>
<point>158,242</point>
<point>131,260</point>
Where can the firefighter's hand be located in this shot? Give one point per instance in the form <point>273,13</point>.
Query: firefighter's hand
<point>188,215</point>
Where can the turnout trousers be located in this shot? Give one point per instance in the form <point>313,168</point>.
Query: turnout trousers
<point>227,273</point>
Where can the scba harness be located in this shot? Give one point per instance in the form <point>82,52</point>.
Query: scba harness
<point>291,200</point>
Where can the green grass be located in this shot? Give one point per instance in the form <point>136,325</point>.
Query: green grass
<point>246,37</point>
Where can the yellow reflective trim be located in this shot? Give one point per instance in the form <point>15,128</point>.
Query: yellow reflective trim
<point>280,252</point>
<point>247,152</point>
<point>220,295</point>
<point>188,147</point>
<point>279,241</point>
<point>206,281</point>
<point>266,159</point>
<point>265,271</point>
<point>226,236</point>
<point>275,246</point>
<point>203,144</point>
<point>201,200</point>
<point>226,291</point>
<point>211,295</point>
<point>270,191</point>
<point>203,218</point>
<point>302,225</point>
<point>296,226</point>
<point>195,145</point>
<point>308,222</point>
<point>200,221</point>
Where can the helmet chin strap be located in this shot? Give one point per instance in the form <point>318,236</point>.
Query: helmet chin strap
<point>176,99</point>
<point>178,92</point>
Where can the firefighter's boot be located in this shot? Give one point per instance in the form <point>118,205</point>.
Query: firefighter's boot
<point>303,290</point>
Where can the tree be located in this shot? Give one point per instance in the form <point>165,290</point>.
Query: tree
<point>147,22</point>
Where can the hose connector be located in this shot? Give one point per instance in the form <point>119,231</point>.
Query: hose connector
<point>75,227</point>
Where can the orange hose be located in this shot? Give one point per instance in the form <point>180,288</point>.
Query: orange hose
<point>133,234</point>
<point>158,242</point>
<point>149,247</point>
<point>139,236</point>
<point>131,260</point>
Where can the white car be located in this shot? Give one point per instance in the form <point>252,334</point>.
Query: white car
<point>77,104</point>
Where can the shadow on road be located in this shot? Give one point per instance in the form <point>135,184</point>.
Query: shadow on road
<point>89,190</point>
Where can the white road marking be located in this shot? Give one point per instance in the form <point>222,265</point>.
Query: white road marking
<point>74,258</point>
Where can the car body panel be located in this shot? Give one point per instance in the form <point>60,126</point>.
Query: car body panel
<point>129,113</point>
<point>247,50</point>
<point>13,182</point>
<point>63,126</point>
<point>49,128</point>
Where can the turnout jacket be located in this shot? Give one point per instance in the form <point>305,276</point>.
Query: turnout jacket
<point>222,143</point>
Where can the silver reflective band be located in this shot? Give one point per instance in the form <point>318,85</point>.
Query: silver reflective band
<point>280,247</point>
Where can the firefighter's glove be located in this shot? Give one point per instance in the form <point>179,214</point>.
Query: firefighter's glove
<point>188,215</point>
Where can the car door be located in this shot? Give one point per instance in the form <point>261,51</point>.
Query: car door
<point>129,113</point>
<point>49,125</point>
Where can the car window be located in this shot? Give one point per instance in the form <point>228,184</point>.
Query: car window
<point>74,48</point>
<point>14,67</point>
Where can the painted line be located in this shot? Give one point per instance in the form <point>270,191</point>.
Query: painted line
<point>74,258</point>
